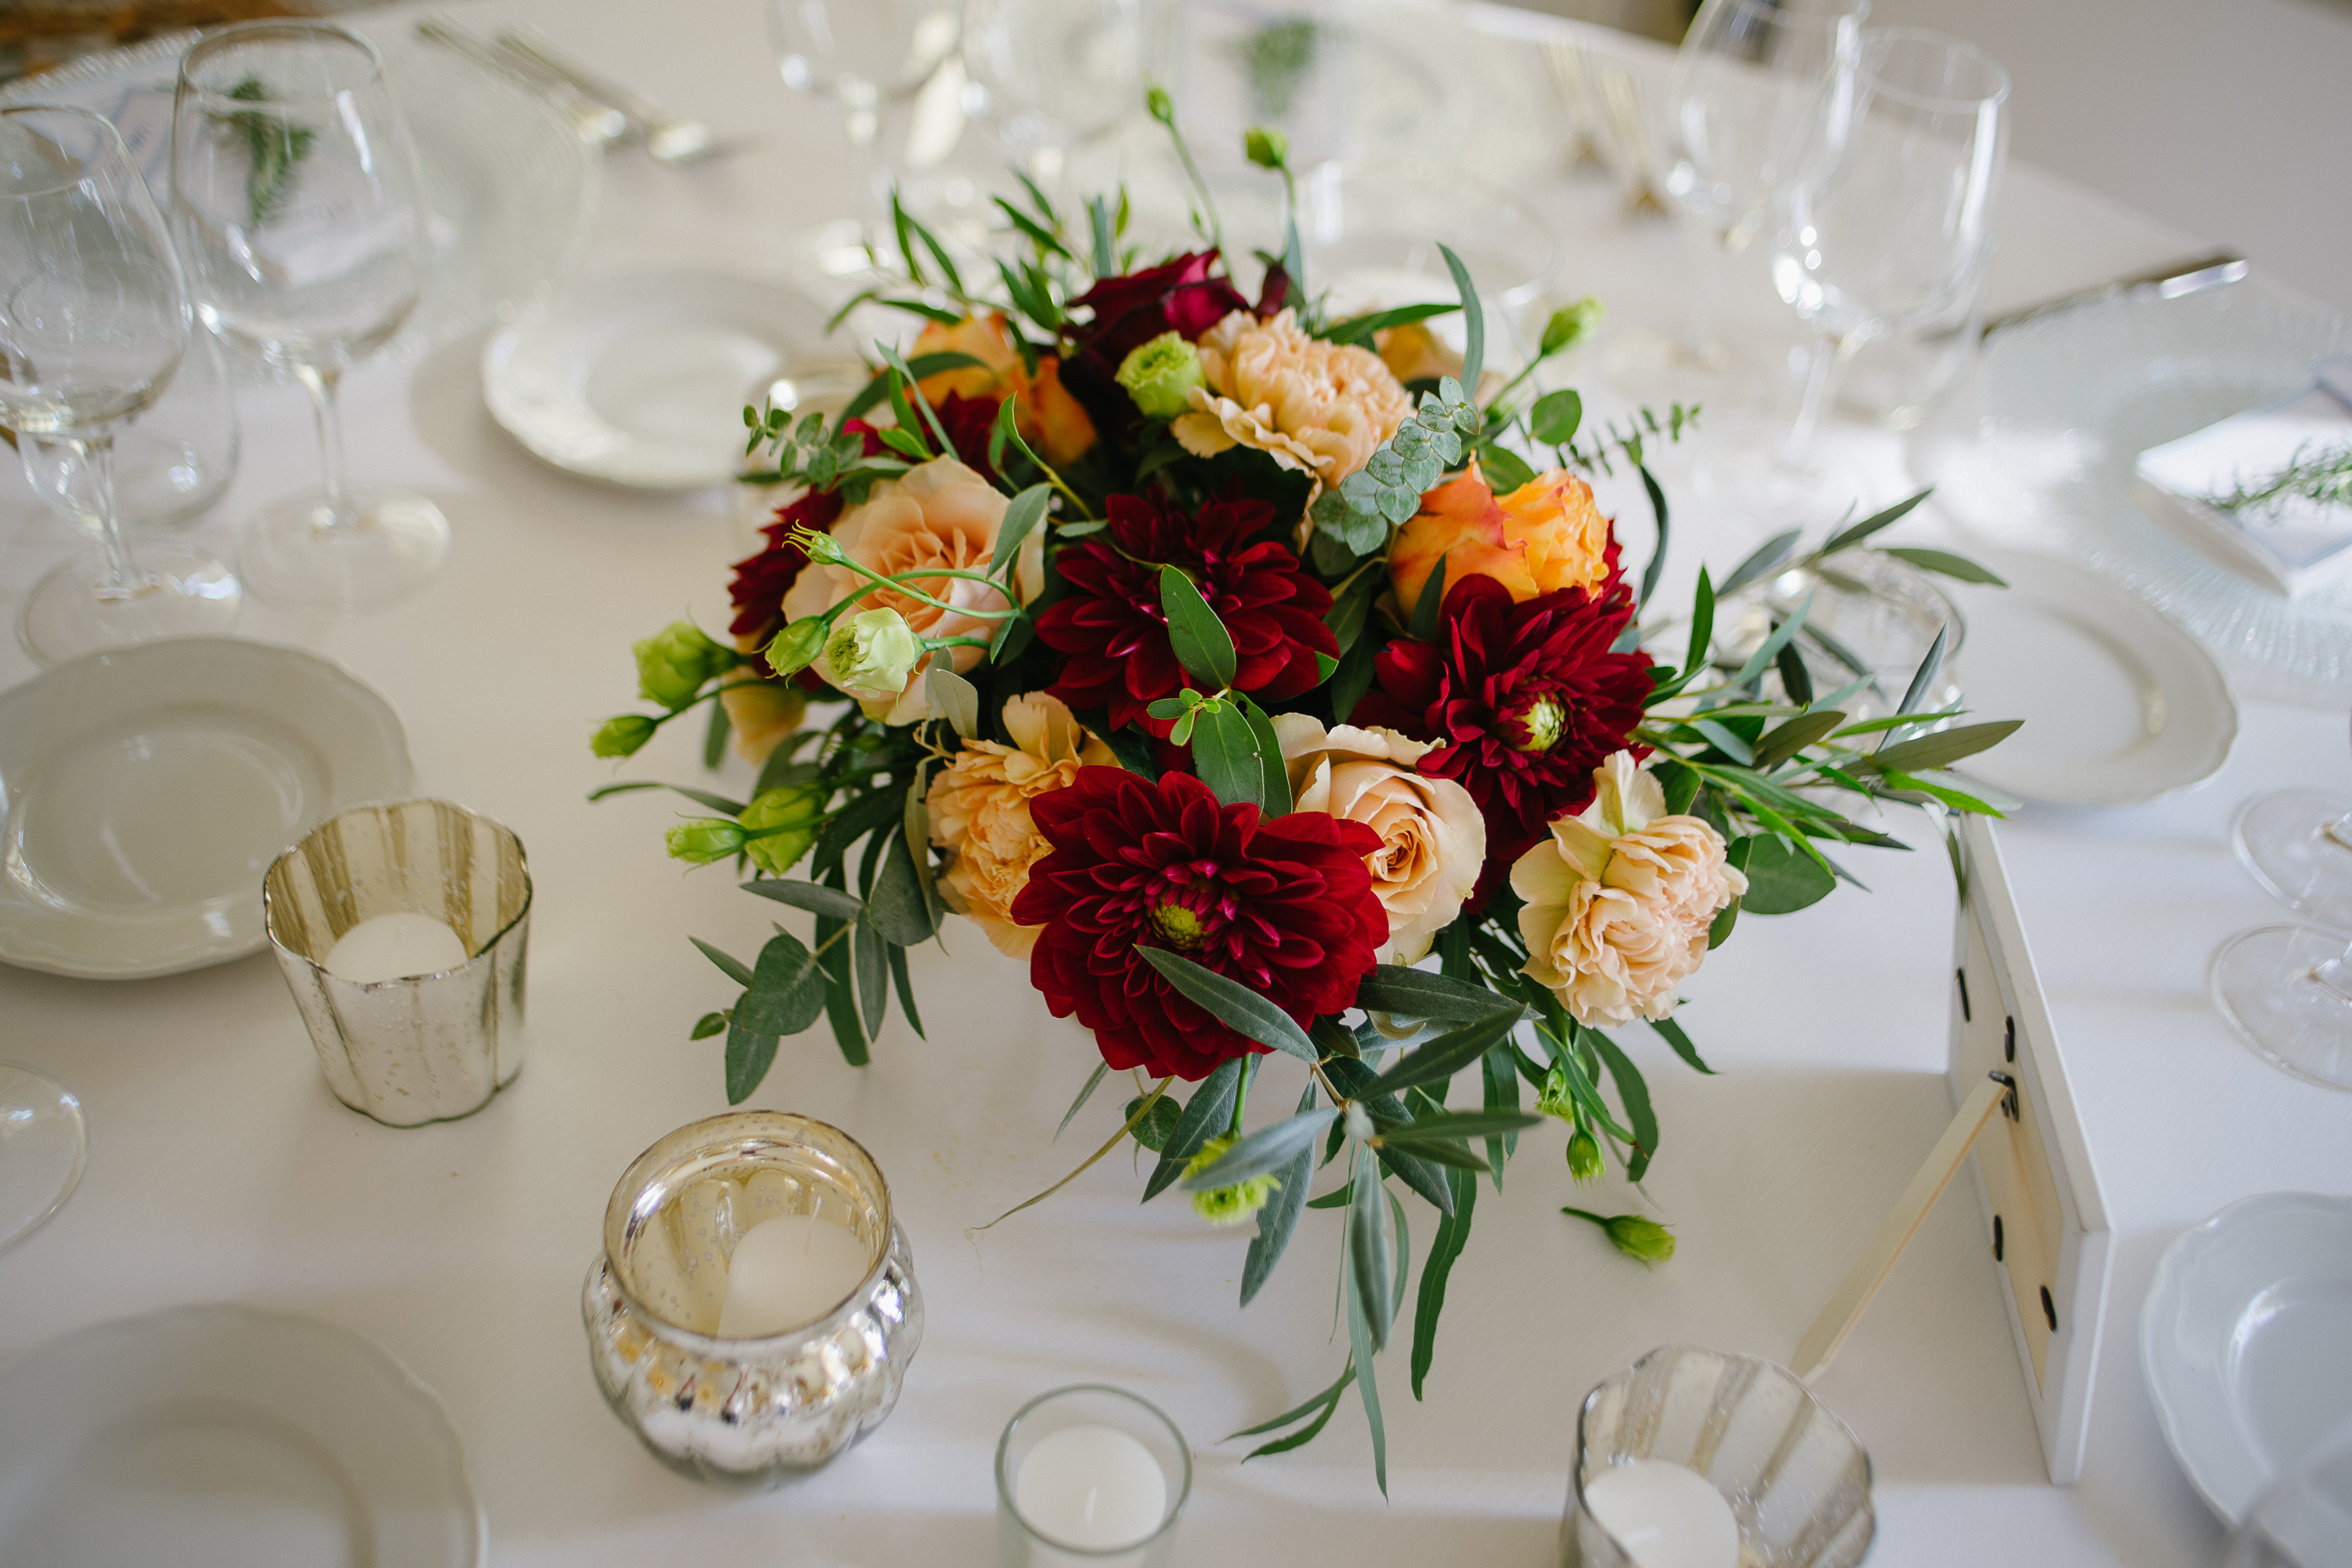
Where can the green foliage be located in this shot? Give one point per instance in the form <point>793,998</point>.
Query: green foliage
<point>274,148</point>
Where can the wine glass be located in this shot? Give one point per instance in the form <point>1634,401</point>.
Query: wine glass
<point>43,1145</point>
<point>171,466</point>
<point>93,324</point>
<point>296,198</point>
<point>2305,1520</point>
<point>2298,843</point>
<point>1057,72</point>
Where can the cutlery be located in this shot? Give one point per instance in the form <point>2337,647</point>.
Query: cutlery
<point>2170,281</point>
<point>599,125</point>
<point>668,139</point>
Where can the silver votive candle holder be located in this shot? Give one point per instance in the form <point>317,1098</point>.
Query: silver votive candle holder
<point>750,1412</point>
<point>425,1047</point>
<point>1794,1477</point>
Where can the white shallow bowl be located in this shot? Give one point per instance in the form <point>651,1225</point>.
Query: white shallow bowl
<point>641,379</point>
<point>2120,705</point>
<point>147,789</point>
<point>221,1436</point>
<point>2246,1342</point>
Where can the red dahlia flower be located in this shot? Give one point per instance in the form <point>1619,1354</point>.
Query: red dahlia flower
<point>1111,625</point>
<point>1283,905</point>
<point>1528,698</point>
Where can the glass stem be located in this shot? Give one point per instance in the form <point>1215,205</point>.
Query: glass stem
<point>321,385</point>
<point>2340,830</point>
<point>1830,359</point>
<point>2335,974</point>
<point>122,579</point>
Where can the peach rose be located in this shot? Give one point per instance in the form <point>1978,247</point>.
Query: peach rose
<point>1432,840</point>
<point>937,514</point>
<point>1620,898</point>
<point>760,713</point>
<point>1547,534</point>
<point>1315,407</point>
<point>980,812</point>
<point>1049,418</point>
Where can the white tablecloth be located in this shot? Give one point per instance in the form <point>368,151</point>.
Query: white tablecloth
<point>221,1168</point>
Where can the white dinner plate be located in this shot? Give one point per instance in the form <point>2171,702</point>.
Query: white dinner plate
<point>147,789</point>
<point>641,379</point>
<point>2246,1342</point>
<point>2120,705</point>
<point>222,1437</point>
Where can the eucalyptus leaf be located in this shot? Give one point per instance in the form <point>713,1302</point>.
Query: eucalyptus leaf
<point>1555,416</point>
<point>955,699</point>
<point>1506,469</point>
<point>787,989</point>
<point>873,977</point>
<point>1225,749</point>
<point>897,909</point>
<point>1764,559</point>
<point>749,1054</point>
<point>735,969</point>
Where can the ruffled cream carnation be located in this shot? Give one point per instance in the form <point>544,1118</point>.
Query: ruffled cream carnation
<point>1315,407</point>
<point>1432,840</point>
<point>1619,900</point>
<point>937,514</point>
<point>979,812</point>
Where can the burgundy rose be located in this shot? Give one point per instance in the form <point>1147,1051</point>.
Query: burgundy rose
<point>1175,296</point>
<point>1528,698</point>
<point>1110,623</point>
<point>1283,905</point>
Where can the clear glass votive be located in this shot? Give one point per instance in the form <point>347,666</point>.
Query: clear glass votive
<point>746,1411</point>
<point>1795,1477</point>
<point>1089,1477</point>
<point>426,1047</point>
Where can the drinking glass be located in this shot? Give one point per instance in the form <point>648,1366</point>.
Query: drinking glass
<point>296,198</point>
<point>2304,1521</point>
<point>2298,843</point>
<point>93,324</point>
<point>1089,1474</point>
<point>1057,72</point>
<point>171,466</point>
<point>42,1147</point>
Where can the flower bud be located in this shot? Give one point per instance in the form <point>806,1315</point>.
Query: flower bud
<point>702,839</point>
<point>870,655</point>
<point>1232,1205</point>
<point>1583,1156</point>
<point>1645,1241</point>
<point>781,825</point>
<point>623,736</point>
<point>1267,147</point>
<point>1160,376</point>
<point>796,646</point>
<point>1159,106</point>
<point>1570,325</point>
<point>1555,1099</point>
<point>673,664</point>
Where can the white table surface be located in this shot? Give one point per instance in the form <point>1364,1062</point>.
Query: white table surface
<point>221,1168</point>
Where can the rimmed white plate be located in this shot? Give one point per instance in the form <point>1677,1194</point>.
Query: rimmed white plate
<point>147,789</point>
<point>2120,705</point>
<point>224,1436</point>
<point>640,379</point>
<point>2244,1338</point>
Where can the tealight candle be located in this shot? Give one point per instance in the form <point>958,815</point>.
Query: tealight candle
<point>394,946</point>
<point>1665,1515</point>
<point>1089,1477</point>
<point>1092,1485</point>
<point>788,1271</point>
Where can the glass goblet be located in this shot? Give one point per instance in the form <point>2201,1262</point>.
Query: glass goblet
<point>43,1145</point>
<point>296,197</point>
<point>171,466</point>
<point>1058,73</point>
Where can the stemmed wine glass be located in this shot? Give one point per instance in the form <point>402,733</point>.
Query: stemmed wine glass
<point>93,325</point>
<point>43,1146</point>
<point>1057,72</point>
<point>296,198</point>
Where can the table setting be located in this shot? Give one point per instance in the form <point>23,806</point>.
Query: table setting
<point>1404,550</point>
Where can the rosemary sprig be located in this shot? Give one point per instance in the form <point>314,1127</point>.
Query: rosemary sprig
<point>2325,480</point>
<point>275,146</point>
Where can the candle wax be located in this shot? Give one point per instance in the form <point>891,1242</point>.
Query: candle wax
<point>1091,1485</point>
<point>395,947</point>
<point>1665,1515</point>
<point>789,1270</point>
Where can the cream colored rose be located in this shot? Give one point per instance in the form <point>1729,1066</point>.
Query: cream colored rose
<point>1619,900</point>
<point>1432,839</point>
<point>979,812</point>
<point>1315,406</point>
<point>937,514</point>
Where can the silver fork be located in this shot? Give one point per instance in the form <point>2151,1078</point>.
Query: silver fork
<point>668,139</point>
<point>599,125</point>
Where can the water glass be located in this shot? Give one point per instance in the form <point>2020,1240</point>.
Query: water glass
<point>1057,72</point>
<point>172,465</point>
<point>1089,1477</point>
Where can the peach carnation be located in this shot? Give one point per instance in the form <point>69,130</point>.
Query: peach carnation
<point>1619,900</point>
<point>1315,407</point>
<point>980,812</point>
<point>1547,534</point>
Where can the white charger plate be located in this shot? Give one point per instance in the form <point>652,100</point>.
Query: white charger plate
<point>222,1437</point>
<point>2246,1342</point>
<point>147,789</point>
<point>641,379</point>
<point>2120,705</point>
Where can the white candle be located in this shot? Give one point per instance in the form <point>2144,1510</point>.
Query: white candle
<point>395,947</point>
<point>787,1271</point>
<point>1091,1485</point>
<point>1665,1515</point>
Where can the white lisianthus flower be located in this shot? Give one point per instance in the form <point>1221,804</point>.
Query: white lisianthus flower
<point>870,655</point>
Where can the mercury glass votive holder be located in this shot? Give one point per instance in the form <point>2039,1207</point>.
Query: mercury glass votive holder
<point>427,1048</point>
<point>1795,1477</point>
<point>749,1412</point>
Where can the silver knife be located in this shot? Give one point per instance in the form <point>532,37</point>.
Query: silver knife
<point>2170,281</point>
<point>599,125</point>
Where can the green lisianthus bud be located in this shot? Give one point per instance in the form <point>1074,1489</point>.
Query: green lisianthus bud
<point>870,655</point>
<point>1570,325</point>
<point>702,839</point>
<point>673,664</point>
<point>1583,1156</point>
<point>781,825</point>
<point>622,736</point>
<point>1160,376</point>
<point>1158,105</point>
<point>1232,1205</point>
<point>1267,147</point>
<point>1641,1239</point>
<point>1555,1099</point>
<point>795,648</point>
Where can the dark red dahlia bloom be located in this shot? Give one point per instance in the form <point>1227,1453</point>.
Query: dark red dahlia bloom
<point>1283,905</point>
<point>1175,296</point>
<point>1528,698</point>
<point>1111,625</point>
<point>969,422</point>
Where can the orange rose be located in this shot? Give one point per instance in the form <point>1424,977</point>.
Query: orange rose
<point>1049,417</point>
<point>1547,534</point>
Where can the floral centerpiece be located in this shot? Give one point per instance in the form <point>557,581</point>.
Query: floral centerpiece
<point>1233,667</point>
